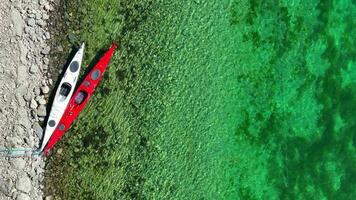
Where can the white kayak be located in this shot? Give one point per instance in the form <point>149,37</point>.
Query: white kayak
<point>63,95</point>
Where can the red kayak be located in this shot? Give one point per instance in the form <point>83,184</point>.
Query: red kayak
<point>80,97</point>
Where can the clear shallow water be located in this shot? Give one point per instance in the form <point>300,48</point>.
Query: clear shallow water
<point>224,100</point>
<point>260,107</point>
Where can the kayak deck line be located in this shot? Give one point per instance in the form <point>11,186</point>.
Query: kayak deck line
<point>81,97</point>
<point>63,95</point>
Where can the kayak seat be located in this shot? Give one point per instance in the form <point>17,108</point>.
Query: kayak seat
<point>65,89</point>
<point>81,96</point>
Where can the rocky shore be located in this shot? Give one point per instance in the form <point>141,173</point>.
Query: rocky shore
<point>24,90</point>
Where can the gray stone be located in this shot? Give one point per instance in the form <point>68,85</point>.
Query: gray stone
<point>32,33</point>
<point>22,70</point>
<point>33,104</point>
<point>45,89</point>
<point>41,23</point>
<point>6,186</point>
<point>45,16</point>
<point>22,196</point>
<point>32,15</point>
<point>38,60</point>
<point>29,141</point>
<point>42,101</point>
<point>33,69</point>
<point>38,16</point>
<point>47,35</point>
<point>27,97</point>
<point>31,22</point>
<point>46,61</point>
<point>22,90</point>
<point>17,4</point>
<point>38,130</point>
<point>48,7</point>
<point>23,118</point>
<point>45,67</point>
<point>41,2</point>
<point>41,111</point>
<point>19,130</point>
<point>24,184</point>
<point>60,151</point>
<point>37,98</point>
<point>17,21</point>
<point>18,163</point>
<point>20,99</point>
<point>46,50</point>
<point>60,48</point>
<point>27,29</point>
<point>37,91</point>
<point>13,141</point>
<point>34,114</point>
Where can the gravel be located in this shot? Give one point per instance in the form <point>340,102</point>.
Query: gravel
<point>23,57</point>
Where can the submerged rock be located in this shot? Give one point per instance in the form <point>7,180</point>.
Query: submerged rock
<point>50,197</point>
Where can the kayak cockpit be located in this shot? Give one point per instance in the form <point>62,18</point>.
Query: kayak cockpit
<point>81,96</point>
<point>64,91</point>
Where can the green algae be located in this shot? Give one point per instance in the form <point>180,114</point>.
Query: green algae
<point>215,100</point>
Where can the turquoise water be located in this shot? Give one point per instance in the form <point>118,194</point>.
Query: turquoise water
<point>223,100</point>
<point>260,108</point>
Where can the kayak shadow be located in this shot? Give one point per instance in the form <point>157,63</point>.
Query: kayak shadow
<point>54,89</point>
<point>90,66</point>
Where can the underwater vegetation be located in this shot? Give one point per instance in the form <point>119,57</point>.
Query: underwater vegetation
<point>239,99</point>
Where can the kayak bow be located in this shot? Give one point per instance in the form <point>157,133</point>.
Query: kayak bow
<point>81,97</point>
<point>63,95</point>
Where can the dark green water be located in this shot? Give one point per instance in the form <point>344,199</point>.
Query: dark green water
<point>222,100</point>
